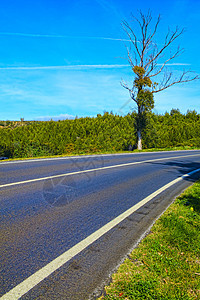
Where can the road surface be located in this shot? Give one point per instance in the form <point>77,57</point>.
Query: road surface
<point>66,223</point>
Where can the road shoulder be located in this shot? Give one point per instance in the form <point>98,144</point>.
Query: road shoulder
<point>166,263</point>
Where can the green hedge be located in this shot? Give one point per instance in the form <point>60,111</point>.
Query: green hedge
<point>106,132</point>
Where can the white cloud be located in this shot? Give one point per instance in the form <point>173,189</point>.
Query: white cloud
<point>32,34</point>
<point>55,118</point>
<point>68,67</point>
<point>80,67</point>
<point>37,35</point>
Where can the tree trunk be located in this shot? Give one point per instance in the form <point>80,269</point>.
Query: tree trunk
<point>139,144</point>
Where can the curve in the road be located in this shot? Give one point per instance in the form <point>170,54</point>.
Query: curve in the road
<point>40,275</point>
<point>96,169</point>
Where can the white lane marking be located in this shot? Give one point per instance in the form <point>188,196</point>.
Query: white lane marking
<point>92,170</point>
<point>55,264</point>
<point>87,156</point>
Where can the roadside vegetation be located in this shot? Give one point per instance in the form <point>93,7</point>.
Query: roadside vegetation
<point>166,264</point>
<point>102,134</point>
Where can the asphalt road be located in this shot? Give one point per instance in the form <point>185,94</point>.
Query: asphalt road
<point>49,206</point>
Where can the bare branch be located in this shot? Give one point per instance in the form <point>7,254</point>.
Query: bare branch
<point>168,40</point>
<point>148,40</point>
<point>176,54</point>
<point>131,91</point>
<point>155,28</point>
<point>166,81</point>
<point>130,33</point>
<point>130,59</point>
<point>141,46</point>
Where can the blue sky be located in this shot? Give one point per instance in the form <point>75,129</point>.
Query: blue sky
<point>61,58</point>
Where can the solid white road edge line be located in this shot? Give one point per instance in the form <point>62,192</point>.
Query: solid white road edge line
<point>92,170</point>
<point>47,270</point>
<point>88,156</point>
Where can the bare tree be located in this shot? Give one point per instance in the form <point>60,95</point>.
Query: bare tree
<point>144,56</point>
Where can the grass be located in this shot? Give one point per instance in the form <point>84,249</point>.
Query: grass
<point>107,152</point>
<point>166,264</point>
<point>67,155</point>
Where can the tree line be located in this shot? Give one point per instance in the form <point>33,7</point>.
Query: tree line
<point>107,132</point>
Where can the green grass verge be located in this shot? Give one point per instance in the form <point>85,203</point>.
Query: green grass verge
<point>106,152</point>
<point>68,155</point>
<point>166,264</point>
